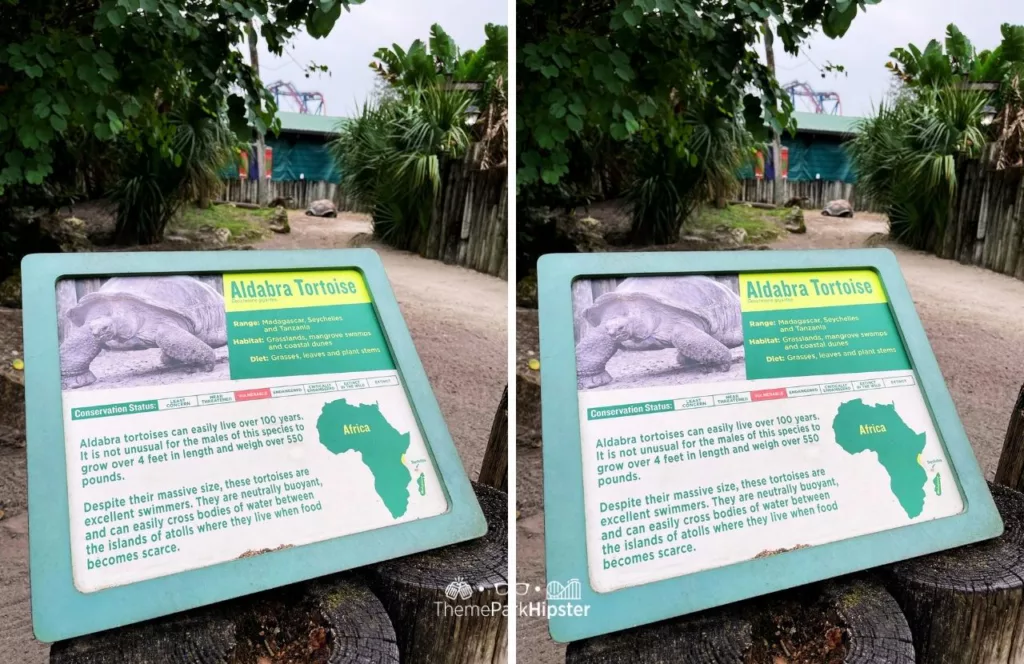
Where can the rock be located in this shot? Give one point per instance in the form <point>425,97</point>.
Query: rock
<point>794,221</point>
<point>279,221</point>
<point>222,235</point>
<point>12,381</point>
<point>281,201</point>
<point>177,239</point>
<point>798,201</point>
<point>526,291</point>
<point>68,232</point>
<point>583,232</point>
<point>10,291</point>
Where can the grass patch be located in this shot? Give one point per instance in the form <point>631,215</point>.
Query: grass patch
<point>243,224</point>
<point>761,225</point>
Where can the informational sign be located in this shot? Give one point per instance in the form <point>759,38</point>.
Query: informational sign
<point>730,418</point>
<point>211,417</point>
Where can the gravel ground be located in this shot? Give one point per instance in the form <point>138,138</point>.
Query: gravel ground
<point>972,318</point>
<point>458,319</point>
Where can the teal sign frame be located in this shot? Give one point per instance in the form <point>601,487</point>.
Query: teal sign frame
<point>564,522</point>
<point>59,610</point>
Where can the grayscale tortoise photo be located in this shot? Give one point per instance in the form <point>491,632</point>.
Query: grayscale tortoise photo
<point>699,317</point>
<point>322,208</point>
<point>180,315</point>
<point>838,208</point>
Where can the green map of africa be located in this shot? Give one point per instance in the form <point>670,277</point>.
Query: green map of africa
<point>859,428</point>
<point>344,427</point>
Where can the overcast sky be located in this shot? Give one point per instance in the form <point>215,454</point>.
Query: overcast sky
<point>865,48</point>
<point>348,50</point>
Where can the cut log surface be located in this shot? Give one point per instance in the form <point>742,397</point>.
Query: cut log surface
<point>202,637</point>
<point>965,605</point>
<point>334,620</point>
<point>449,605</point>
<point>494,469</point>
<point>1010,471</point>
<point>850,621</point>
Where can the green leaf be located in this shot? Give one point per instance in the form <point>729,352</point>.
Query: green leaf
<point>58,123</point>
<point>557,111</point>
<point>34,177</point>
<point>549,71</point>
<point>574,123</point>
<point>102,131</point>
<point>618,131</point>
<point>117,16</point>
<point>33,71</point>
<point>631,16</point>
<point>694,160</point>
<point>14,157</point>
<point>42,111</point>
<point>578,109</point>
<point>647,108</point>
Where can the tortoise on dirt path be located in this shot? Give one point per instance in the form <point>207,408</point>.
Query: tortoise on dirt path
<point>698,316</point>
<point>180,315</point>
<point>322,208</point>
<point>838,208</point>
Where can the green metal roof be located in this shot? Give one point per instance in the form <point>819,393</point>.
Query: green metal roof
<point>303,123</point>
<point>825,124</point>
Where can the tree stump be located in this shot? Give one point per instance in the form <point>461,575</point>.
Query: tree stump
<point>849,621</point>
<point>494,469</point>
<point>203,636</point>
<point>450,604</point>
<point>335,620</point>
<point>965,606</point>
<point>1010,471</point>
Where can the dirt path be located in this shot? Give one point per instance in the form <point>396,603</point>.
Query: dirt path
<point>972,318</point>
<point>458,320</point>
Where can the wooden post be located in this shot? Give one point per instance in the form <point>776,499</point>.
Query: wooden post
<point>1010,471</point>
<point>494,469</point>
<point>448,605</point>
<point>964,606</point>
<point>336,620</point>
<point>853,620</point>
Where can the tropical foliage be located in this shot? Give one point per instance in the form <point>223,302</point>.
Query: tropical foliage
<point>669,182</point>
<point>591,71</point>
<point>960,62</point>
<point>393,157</point>
<point>907,157</point>
<point>954,101</point>
<point>81,78</point>
<point>152,189</point>
<point>440,60</point>
<point>659,100</point>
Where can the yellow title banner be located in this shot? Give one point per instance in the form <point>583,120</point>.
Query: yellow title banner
<point>255,291</point>
<point>770,291</point>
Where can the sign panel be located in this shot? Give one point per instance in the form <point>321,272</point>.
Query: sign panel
<point>741,418</point>
<point>210,418</point>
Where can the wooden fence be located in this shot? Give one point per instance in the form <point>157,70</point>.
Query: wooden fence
<point>987,225</point>
<point>469,226</point>
<point>301,193</point>
<point>818,192</point>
